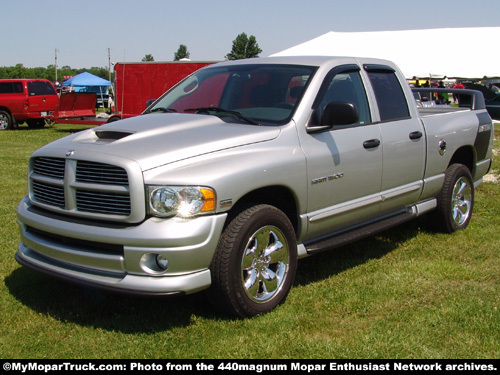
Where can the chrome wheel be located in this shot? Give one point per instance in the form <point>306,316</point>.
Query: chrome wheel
<point>455,201</point>
<point>461,201</point>
<point>5,121</point>
<point>255,262</point>
<point>264,264</point>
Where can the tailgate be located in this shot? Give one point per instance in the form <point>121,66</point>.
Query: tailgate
<point>76,104</point>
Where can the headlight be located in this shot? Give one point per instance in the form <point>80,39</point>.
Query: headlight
<point>185,201</point>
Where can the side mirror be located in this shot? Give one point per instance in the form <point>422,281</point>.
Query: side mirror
<point>339,113</point>
<point>149,102</point>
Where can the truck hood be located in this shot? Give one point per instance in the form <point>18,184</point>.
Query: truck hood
<point>157,139</point>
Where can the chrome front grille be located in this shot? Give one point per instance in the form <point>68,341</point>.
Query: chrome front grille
<point>80,186</point>
<point>99,173</point>
<point>48,194</point>
<point>50,167</point>
<point>104,203</point>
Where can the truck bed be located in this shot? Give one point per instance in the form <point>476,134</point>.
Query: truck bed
<point>439,109</point>
<point>467,99</point>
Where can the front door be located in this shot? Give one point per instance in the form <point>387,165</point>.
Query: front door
<point>344,164</point>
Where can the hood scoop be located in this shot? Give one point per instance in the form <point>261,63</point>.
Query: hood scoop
<point>111,135</point>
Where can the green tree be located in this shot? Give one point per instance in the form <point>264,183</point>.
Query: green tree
<point>51,75</point>
<point>182,53</point>
<point>244,47</point>
<point>65,71</point>
<point>148,57</point>
<point>37,72</point>
<point>18,71</point>
<point>100,72</point>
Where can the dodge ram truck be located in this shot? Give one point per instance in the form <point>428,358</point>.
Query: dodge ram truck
<point>243,168</point>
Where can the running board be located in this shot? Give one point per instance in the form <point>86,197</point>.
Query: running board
<point>358,233</point>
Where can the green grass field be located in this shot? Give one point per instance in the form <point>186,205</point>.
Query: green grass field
<point>406,293</point>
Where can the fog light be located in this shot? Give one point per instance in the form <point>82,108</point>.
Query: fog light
<point>161,262</point>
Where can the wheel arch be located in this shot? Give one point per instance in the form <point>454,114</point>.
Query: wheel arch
<point>2,108</point>
<point>464,155</point>
<point>280,197</point>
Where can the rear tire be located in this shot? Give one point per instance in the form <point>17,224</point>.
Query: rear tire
<point>113,119</point>
<point>6,122</point>
<point>455,201</point>
<point>255,262</point>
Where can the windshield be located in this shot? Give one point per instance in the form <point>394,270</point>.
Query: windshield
<point>254,93</point>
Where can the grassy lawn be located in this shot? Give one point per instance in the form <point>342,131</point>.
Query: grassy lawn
<point>406,293</point>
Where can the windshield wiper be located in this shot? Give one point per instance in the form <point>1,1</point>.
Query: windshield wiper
<point>163,110</point>
<point>236,114</point>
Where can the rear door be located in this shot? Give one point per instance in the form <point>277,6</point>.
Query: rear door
<point>12,96</point>
<point>403,140</point>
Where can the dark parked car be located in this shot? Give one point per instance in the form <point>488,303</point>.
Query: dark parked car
<point>491,99</point>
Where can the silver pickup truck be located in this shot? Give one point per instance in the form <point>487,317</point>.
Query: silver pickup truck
<point>243,168</point>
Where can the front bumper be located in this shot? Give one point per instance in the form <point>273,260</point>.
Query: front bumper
<point>120,258</point>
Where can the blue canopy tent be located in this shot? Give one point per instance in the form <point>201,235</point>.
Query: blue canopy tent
<point>87,82</point>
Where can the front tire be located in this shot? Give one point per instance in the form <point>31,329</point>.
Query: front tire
<point>455,201</point>
<point>255,262</point>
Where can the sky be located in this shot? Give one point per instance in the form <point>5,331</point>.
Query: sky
<point>90,33</point>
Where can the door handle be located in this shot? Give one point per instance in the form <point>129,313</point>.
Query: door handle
<point>372,143</point>
<point>416,135</point>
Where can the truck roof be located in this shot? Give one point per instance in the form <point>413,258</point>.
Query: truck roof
<point>166,62</point>
<point>310,60</point>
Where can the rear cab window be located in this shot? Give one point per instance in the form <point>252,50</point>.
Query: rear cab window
<point>36,88</point>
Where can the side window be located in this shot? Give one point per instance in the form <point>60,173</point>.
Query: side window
<point>390,97</point>
<point>6,88</point>
<point>11,87</point>
<point>346,87</point>
<point>18,88</point>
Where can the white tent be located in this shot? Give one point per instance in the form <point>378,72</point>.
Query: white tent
<point>459,52</point>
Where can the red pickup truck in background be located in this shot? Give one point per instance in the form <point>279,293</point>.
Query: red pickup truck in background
<point>26,100</point>
<point>36,100</point>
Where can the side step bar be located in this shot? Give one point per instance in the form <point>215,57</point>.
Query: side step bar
<point>344,238</point>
